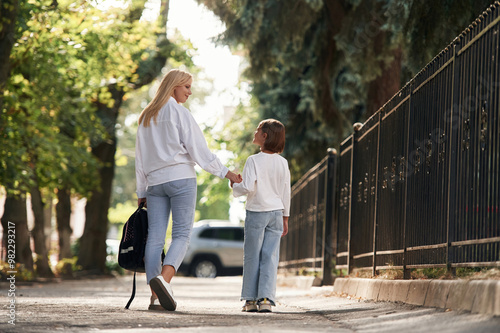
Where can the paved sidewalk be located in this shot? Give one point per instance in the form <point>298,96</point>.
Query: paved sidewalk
<point>212,305</point>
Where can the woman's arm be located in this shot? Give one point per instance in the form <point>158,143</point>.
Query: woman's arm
<point>234,178</point>
<point>140,176</point>
<point>285,226</point>
<point>195,143</point>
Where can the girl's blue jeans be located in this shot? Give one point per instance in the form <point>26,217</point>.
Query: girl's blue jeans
<point>261,254</point>
<point>179,198</point>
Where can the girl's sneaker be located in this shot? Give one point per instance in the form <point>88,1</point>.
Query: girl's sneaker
<point>265,305</point>
<point>250,306</point>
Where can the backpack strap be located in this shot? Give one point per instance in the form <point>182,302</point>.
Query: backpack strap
<point>133,293</point>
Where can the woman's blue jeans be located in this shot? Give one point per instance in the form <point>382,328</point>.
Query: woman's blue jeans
<point>178,197</point>
<point>261,254</point>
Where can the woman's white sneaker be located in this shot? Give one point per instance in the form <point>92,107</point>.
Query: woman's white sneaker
<point>164,292</point>
<point>155,305</point>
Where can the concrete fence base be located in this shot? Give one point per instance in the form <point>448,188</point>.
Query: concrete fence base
<point>476,296</point>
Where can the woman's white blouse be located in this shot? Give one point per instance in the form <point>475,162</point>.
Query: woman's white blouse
<point>169,149</point>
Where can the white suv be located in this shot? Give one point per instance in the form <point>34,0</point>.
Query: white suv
<point>216,248</point>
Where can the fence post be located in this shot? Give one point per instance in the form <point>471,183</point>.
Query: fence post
<point>330,244</point>
<point>452,147</point>
<point>406,270</point>
<point>355,137</point>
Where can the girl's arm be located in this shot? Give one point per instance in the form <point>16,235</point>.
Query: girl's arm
<point>249,178</point>
<point>286,194</point>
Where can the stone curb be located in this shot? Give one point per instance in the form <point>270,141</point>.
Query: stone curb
<point>300,282</point>
<point>476,296</point>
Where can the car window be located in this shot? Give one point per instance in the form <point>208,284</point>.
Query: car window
<point>208,233</point>
<point>239,234</point>
<point>232,234</point>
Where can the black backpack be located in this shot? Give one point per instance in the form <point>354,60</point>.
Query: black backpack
<point>133,245</point>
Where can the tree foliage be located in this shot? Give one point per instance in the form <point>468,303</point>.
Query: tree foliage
<point>319,66</point>
<point>70,67</point>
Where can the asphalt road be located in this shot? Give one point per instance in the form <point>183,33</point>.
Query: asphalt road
<point>212,305</point>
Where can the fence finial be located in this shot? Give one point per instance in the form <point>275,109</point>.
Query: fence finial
<point>357,127</point>
<point>332,151</point>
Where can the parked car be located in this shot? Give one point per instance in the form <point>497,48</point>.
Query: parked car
<point>216,248</point>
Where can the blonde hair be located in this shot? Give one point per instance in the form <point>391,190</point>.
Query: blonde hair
<point>174,78</point>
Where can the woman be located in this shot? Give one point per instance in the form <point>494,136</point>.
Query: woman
<point>168,145</point>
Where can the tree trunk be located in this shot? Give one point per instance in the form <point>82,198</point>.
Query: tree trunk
<point>47,215</point>
<point>165,7</point>
<point>39,236</point>
<point>15,212</point>
<point>92,255</point>
<point>63,218</point>
<point>388,83</point>
<point>335,13</point>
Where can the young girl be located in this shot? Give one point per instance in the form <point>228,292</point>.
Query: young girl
<point>266,181</point>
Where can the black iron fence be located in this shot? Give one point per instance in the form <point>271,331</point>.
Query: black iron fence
<point>308,245</point>
<point>418,183</point>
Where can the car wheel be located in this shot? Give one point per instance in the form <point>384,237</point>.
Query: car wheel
<point>204,268</point>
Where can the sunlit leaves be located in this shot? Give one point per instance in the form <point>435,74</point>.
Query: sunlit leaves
<point>63,62</point>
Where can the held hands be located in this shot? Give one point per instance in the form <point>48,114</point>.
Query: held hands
<point>234,178</point>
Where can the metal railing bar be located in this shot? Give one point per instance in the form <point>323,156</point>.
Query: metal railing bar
<point>310,174</point>
<point>302,261</point>
<point>362,268</point>
<point>347,150</point>
<point>380,253</point>
<point>368,131</point>
<point>396,107</point>
<point>476,264</point>
<point>427,266</point>
<point>476,241</point>
<point>479,35</point>
<point>305,181</point>
<point>342,254</point>
<point>345,140</point>
<point>389,267</point>
<point>442,68</point>
<point>426,247</point>
<point>363,255</point>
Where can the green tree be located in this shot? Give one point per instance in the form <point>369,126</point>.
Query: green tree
<point>320,66</point>
<point>38,143</point>
<point>8,15</point>
<point>71,66</point>
<point>144,47</point>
